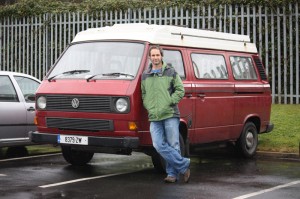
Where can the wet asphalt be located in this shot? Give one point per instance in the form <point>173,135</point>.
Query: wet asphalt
<point>115,176</point>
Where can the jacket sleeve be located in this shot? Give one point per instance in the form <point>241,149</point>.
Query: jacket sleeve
<point>143,90</point>
<point>178,90</point>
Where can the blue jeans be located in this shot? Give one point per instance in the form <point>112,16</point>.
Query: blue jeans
<point>165,138</point>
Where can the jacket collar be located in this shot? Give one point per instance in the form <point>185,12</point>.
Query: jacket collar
<point>164,66</point>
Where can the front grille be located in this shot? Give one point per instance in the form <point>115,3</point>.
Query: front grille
<point>80,124</point>
<point>86,103</point>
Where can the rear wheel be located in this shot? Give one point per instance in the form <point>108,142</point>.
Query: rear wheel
<point>74,157</point>
<point>248,141</point>
<point>159,163</point>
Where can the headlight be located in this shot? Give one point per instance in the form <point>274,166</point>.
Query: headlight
<point>122,105</point>
<point>41,102</point>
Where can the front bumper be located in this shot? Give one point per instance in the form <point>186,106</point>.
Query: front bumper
<point>113,142</point>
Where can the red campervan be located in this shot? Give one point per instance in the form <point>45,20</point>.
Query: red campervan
<point>90,101</point>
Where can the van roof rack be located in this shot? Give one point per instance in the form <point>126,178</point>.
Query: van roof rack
<point>169,35</point>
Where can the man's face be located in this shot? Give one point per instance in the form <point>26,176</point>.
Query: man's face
<point>155,57</point>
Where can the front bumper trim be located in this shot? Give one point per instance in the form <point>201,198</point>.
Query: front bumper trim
<point>114,142</point>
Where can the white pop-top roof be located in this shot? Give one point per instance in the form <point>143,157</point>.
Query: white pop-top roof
<point>169,35</point>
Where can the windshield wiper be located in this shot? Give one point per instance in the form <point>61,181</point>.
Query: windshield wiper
<point>118,74</point>
<point>71,72</point>
<point>110,74</point>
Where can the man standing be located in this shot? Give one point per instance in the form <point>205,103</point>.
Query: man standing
<point>162,89</point>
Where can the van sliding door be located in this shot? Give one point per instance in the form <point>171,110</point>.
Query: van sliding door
<point>214,101</point>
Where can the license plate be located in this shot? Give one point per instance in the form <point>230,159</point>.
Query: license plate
<point>72,139</point>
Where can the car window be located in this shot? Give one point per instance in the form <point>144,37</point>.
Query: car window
<point>207,66</point>
<point>242,68</point>
<point>28,86</point>
<point>7,90</point>
<point>174,58</point>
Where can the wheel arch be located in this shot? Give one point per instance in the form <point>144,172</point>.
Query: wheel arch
<point>183,130</point>
<point>255,120</point>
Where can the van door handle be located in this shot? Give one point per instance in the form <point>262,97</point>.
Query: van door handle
<point>31,109</point>
<point>201,95</point>
<point>188,95</point>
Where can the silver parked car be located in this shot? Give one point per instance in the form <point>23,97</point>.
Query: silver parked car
<point>17,108</point>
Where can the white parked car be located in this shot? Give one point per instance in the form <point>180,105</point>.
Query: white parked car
<point>17,108</point>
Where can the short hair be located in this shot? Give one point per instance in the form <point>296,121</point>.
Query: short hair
<point>158,48</point>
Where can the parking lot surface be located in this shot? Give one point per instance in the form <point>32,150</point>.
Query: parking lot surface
<point>115,176</point>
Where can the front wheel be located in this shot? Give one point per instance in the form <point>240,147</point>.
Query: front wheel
<point>159,163</point>
<point>74,157</point>
<point>248,141</point>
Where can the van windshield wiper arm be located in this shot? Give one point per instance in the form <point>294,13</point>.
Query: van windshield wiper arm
<point>110,74</point>
<point>118,74</point>
<point>69,72</point>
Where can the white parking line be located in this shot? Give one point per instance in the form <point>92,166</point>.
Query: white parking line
<point>84,179</point>
<point>2,175</point>
<point>29,157</point>
<point>268,190</point>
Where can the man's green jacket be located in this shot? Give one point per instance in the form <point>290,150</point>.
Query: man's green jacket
<point>161,93</point>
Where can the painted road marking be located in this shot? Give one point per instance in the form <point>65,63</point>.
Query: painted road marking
<point>84,179</point>
<point>2,175</point>
<point>29,157</point>
<point>268,190</point>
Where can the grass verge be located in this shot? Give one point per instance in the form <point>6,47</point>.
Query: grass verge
<point>285,136</point>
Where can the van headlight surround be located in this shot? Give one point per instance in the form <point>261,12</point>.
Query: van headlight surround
<point>121,104</point>
<point>41,102</point>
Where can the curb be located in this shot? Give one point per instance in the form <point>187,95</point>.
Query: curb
<point>267,154</point>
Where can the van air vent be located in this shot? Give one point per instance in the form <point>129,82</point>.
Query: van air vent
<point>260,68</point>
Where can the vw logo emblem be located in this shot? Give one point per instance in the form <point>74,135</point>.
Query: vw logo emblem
<point>75,103</point>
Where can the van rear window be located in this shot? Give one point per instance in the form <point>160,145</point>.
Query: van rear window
<point>207,66</point>
<point>242,68</point>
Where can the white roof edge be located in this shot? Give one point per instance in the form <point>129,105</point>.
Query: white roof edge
<point>169,35</point>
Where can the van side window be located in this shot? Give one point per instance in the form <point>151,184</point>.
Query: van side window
<point>242,68</point>
<point>174,58</point>
<point>209,66</point>
<point>7,90</point>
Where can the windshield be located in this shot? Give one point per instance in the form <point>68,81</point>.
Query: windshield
<point>99,60</point>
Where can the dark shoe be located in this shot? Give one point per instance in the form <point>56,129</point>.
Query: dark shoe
<point>170,179</point>
<point>186,175</point>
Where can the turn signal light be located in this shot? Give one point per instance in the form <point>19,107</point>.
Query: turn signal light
<point>132,126</point>
<point>35,120</point>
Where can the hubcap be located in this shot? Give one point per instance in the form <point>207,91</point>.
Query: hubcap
<point>249,140</point>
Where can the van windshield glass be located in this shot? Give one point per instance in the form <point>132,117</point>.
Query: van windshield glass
<point>98,59</point>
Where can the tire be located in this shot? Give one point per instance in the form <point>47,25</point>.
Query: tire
<point>159,163</point>
<point>16,151</point>
<point>76,158</point>
<point>248,141</point>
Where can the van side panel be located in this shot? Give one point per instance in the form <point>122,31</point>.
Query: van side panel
<point>252,99</point>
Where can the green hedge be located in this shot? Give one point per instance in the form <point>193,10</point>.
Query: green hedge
<point>37,7</point>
